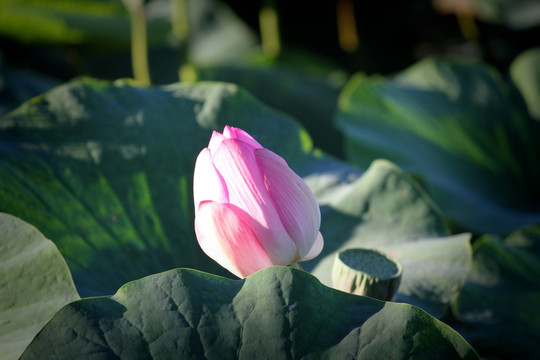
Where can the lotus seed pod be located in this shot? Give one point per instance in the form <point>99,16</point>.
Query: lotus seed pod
<point>366,272</point>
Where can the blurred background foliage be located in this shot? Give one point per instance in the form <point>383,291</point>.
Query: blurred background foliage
<point>46,42</point>
<point>294,58</point>
<point>304,59</point>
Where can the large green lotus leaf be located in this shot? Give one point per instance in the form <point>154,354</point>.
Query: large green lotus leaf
<point>525,72</point>
<point>386,210</point>
<point>74,22</point>
<point>277,313</point>
<point>455,124</point>
<point>105,170</point>
<point>500,298</point>
<point>34,284</point>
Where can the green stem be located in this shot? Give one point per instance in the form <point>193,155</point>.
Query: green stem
<point>180,24</point>
<point>468,27</point>
<point>139,46</point>
<point>269,27</point>
<point>346,23</point>
<point>295,266</point>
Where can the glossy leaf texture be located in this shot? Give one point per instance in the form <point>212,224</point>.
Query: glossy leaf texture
<point>458,126</point>
<point>499,299</point>
<point>277,313</point>
<point>34,284</point>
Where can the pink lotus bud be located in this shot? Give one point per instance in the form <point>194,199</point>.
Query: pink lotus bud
<point>251,210</point>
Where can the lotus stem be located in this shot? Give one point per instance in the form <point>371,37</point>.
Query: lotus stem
<point>346,23</point>
<point>180,28</point>
<point>269,27</point>
<point>139,43</point>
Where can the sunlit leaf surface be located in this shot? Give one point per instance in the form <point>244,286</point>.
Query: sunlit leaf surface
<point>499,299</point>
<point>277,313</point>
<point>456,125</point>
<point>34,284</point>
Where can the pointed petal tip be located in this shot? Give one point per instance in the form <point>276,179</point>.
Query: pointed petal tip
<point>228,131</point>
<point>242,135</point>
<point>216,139</point>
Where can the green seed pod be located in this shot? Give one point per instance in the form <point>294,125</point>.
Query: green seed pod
<point>366,272</point>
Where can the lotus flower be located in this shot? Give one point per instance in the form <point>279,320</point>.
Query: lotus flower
<point>251,210</point>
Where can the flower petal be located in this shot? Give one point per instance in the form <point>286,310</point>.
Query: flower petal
<point>215,141</point>
<point>236,162</point>
<point>208,184</point>
<point>293,200</point>
<point>315,249</point>
<point>225,233</point>
<point>236,133</point>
